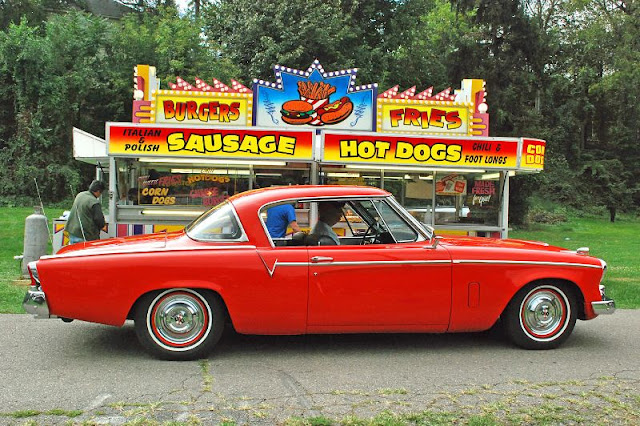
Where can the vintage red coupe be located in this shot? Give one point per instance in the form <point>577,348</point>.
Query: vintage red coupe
<point>389,273</point>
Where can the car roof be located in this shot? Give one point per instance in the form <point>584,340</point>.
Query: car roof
<point>267,195</point>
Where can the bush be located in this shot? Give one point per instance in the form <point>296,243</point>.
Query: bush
<point>546,217</point>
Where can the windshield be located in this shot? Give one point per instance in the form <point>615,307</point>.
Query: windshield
<point>427,231</point>
<point>218,224</point>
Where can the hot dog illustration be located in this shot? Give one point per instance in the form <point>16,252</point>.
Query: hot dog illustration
<point>314,108</point>
<point>335,112</point>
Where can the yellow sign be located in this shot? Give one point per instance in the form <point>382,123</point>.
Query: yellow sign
<point>425,117</point>
<point>533,153</point>
<point>214,108</point>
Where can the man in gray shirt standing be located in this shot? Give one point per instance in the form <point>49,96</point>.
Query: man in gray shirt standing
<point>86,218</point>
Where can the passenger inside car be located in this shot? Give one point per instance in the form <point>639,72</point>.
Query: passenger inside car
<point>329,213</point>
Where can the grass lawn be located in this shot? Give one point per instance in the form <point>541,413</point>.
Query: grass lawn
<point>617,243</point>
<point>11,244</point>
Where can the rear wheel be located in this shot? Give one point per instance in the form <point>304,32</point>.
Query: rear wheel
<point>179,324</point>
<point>541,316</point>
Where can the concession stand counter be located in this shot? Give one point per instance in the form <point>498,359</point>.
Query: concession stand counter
<point>191,146</point>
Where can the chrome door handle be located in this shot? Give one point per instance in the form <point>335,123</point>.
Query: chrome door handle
<point>320,259</point>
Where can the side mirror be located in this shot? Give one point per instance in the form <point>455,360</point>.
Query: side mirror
<point>436,239</point>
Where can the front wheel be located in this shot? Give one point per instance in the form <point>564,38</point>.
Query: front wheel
<point>540,316</point>
<point>179,324</point>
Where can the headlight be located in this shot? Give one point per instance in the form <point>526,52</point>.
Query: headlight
<point>34,272</point>
<point>604,269</point>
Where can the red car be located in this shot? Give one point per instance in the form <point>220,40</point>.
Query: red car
<point>388,274</point>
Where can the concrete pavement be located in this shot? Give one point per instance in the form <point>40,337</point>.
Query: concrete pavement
<point>89,372</point>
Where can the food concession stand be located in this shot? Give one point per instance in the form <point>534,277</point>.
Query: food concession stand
<point>191,146</point>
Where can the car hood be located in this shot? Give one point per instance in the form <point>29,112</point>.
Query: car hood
<point>490,248</point>
<point>493,242</point>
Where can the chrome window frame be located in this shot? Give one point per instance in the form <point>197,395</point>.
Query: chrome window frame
<point>417,234</point>
<point>426,233</point>
<point>243,235</point>
<point>393,203</point>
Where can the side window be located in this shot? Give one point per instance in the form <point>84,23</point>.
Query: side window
<point>217,224</point>
<point>286,221</point>
<point>395,224</point>
<point>335,222</point>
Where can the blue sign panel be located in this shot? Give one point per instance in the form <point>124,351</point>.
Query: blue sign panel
<point>315,99</point>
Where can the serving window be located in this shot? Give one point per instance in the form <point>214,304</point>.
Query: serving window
<point>339,175</point>
<point>178,185</point>
<point>467,198</point>
<point>190,186</point>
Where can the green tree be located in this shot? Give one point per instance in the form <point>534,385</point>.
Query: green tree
<point>76,71</point>
<point>50,79</point>
<point>33,11</point>
<point>606,182</point>
<point>258,35</point>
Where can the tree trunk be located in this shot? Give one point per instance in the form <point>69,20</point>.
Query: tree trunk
<point>612,213</point>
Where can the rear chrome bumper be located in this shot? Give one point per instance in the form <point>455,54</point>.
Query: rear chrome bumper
<point>35,302</point>
<point>606,306</point>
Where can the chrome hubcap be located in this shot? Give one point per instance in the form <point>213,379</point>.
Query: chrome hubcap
<point>543,312</point>
<point>179,319</point>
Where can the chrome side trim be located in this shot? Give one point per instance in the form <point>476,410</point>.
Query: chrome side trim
<point>324,261</point>
<point>524,262</point>
<point>98,252</point>
<point>35,302</point>
<point>365,262</point>
<point>385,262</point>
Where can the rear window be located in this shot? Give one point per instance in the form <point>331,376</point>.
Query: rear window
<point>218,224</point>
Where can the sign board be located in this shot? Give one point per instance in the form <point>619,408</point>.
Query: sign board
<point>379,149</point>
<point>423,118</point>
<point>532,155</point>
<point>128,139</point>
<point>315,99</point>
<point>462,113</point>
<point>198,108</point>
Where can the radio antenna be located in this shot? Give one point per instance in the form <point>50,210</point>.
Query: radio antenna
<point>43,213</point>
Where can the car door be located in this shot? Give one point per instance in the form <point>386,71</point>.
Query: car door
<point>404,285</point>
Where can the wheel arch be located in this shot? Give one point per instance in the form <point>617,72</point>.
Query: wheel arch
<point>567,284</point>
<point>201,288</point>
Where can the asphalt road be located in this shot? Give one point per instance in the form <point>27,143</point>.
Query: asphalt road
<point>88,372</point>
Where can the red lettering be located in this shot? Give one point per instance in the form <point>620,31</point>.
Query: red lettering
<point>411,117</point>
<point>169,110</point>
<point>395,115</point>
<point>234,111</point>
<point>181,111</point>
<point>203,112</point>
<point>453,120</point>
<point>192,108</point>
<point>436,117</point>
<point>425,119</point>
<point>224,113</point>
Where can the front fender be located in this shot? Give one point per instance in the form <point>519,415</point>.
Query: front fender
<point>481,291</point>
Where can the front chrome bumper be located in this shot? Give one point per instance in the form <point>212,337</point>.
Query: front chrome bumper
<point>606,306</point>
<point>35,302</point>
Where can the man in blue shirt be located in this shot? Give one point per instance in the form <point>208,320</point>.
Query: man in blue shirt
<point>279,218</point>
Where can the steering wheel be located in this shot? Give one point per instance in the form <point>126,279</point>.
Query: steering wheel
<point>370,237</point>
